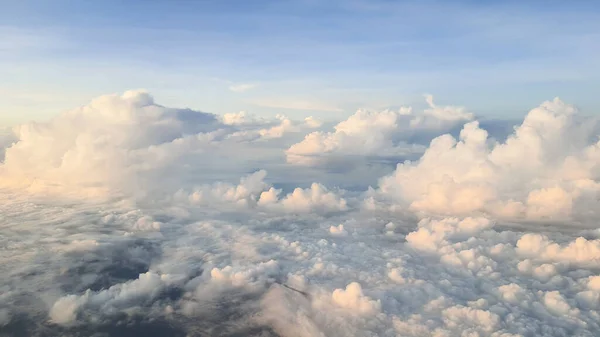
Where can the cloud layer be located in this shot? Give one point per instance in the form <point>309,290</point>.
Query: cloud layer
<point>189,235</point>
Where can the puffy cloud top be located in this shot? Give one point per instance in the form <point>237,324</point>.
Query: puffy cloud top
<point>548,169</point>
<point>104,141</point>
<point>352,298</point>
<point>127,142</point>
<point>253,192</point>
<point>377,134</point>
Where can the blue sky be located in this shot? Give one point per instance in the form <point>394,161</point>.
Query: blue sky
<point>299,57</point>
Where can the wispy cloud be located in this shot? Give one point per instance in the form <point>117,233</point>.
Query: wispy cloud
<point>242,87</point>
<point>295,104</point>
<point>16,39</point>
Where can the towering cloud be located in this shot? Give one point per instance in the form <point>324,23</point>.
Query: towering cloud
<point>106,142</point>
<point>547,169</point>
<point>125,142</point>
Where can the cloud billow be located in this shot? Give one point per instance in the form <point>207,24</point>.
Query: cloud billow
<point>369,134</point>
<point>124,217</point>
<point>547,169</point>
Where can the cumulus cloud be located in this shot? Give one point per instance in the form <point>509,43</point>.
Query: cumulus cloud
<point>580,252</point>
<point>241,118</point>
<point>317,197</point>
<point>440,116</point>
<point>383,134</point>
<point>547,169</point>
<point>242,87</point>
<point>254,192</point>
<point>109,140</point>
<point>431,234</point>
<point>112,300</point>
<point>352,298</point>
<point>127,142</point>
<point>257,128</point>
<point>338,230</point>
<point>312,122</point>
<point>215,246</point>
<point>229,276</point>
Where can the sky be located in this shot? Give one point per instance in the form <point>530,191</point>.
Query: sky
<point>129,217</point>
<point>299,57</point>
<point>299,168</point>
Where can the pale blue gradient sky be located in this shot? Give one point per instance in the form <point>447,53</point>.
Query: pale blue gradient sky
<point>299,57</point>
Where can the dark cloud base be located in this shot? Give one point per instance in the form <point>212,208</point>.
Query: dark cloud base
<point>23,326</point>
<point>124,261</point>
<point>229,317</point>
<point>113,264</point>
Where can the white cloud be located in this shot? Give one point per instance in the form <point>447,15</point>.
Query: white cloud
<point>194,246</point>
<point>254,192</point>
<point>546,170</point>
<point>240,118</point>
<point>107,142</point>
<point>242,87</point>
<point>295,104</point>
<point>256,128</point>
<point>579,252</point>
<point>462,318</point>
<point>277,131</point>
<point>312,122</point>
<point>432,234</point>
<point>125,142</point>
<point>383,134</point>
<point>315,198</point>
<point>229,276</point>
<point>127,295</point>
<point>338,230</point>
<point>353,299</point>
<point>437,115</point>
